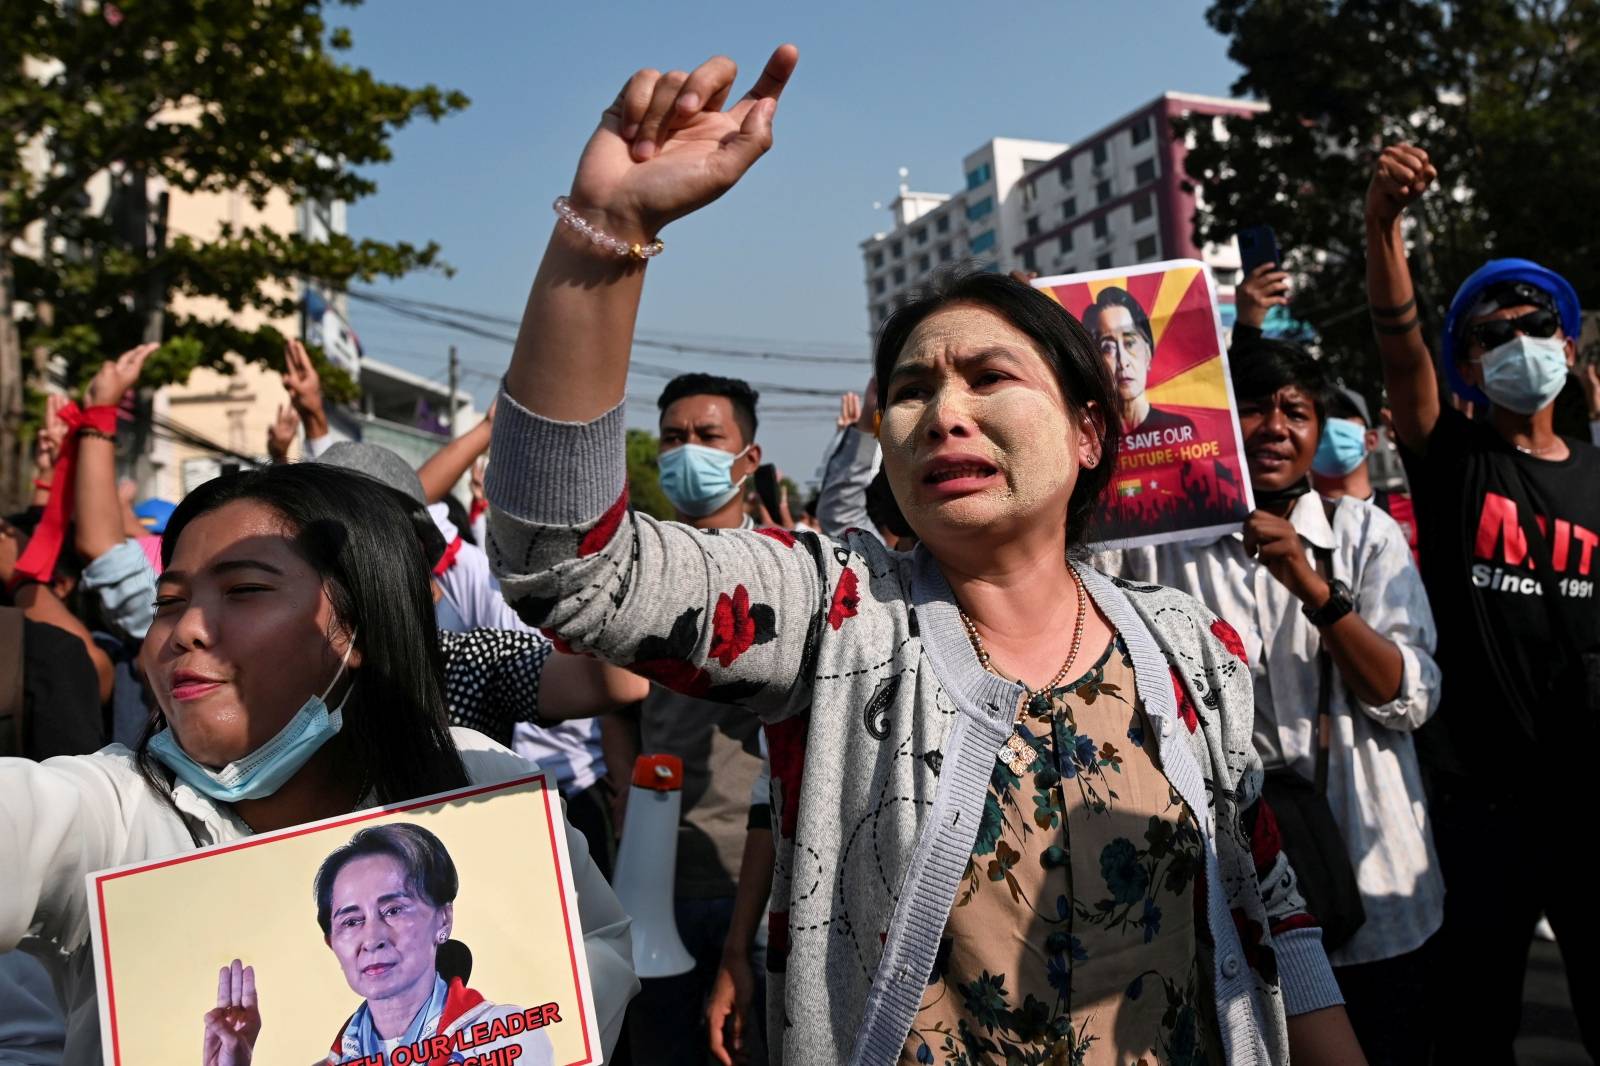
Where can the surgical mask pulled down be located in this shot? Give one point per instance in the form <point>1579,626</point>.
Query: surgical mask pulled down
<point>263,771</point>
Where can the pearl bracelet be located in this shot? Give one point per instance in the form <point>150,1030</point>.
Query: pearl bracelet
<point>615,245</point>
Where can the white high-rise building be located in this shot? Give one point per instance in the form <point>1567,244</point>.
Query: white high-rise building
<point>933,230</point>
<point>1117,197</point>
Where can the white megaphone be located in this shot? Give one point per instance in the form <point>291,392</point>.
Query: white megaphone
<point>647,865</point>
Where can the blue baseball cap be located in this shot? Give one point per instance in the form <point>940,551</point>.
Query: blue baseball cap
<point>153,514</point>
<point>1498,272</point>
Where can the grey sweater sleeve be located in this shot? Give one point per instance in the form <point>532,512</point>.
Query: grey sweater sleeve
<point>733,616</point>
<point>842,501</point>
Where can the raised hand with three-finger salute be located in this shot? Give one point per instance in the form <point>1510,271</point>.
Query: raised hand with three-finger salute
<point>663,149</point>
<point>231,1028</point>
<point>849,410</point>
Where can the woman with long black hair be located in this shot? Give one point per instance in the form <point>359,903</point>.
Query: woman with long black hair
<point>295,662</point>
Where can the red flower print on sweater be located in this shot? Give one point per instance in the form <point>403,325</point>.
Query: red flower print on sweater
<point>736,624</point>
<point>1266,842</point>
<point>732,628</point>
<point>675,674</point>
<point>560,645</point>
<point>782,536</point>
<point>1186,709</point>
<point>605,527</point>
<point>1230,639</point>
<point>1257,955</point>
<point>845,599</point>
<point>786,752</point>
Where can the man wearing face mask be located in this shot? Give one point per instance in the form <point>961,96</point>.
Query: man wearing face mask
<point>1510,521</point>
<point>708,454</point>
<point>1339,467</point>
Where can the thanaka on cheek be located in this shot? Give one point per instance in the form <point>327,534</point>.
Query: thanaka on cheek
<point>981,388</point>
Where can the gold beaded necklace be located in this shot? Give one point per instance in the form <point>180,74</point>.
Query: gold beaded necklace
<point>1072,654</point>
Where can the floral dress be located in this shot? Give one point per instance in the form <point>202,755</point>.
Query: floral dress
<point>1073,938</point>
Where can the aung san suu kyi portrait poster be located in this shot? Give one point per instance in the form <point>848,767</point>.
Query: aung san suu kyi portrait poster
<point>436,932</point>
<point>1180,473</point>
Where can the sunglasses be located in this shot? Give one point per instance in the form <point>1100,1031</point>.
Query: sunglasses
<point>1542,322</point>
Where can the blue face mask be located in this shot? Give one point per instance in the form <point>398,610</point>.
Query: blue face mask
<point>263,771</point>
<point>1343,447</point>
<point>698,480</point>
<point>1525,373</point>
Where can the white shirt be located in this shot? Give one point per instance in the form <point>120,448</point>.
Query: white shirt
<point>1374,783</point>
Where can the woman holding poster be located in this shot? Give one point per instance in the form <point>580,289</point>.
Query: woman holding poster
<point>1016,805</point>
<point>295,663</point>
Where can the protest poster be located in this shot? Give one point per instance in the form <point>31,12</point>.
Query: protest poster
<point>1180,472</point>
<point>440,931</point>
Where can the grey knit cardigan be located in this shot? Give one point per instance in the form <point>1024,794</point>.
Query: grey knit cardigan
<point>883,730</point>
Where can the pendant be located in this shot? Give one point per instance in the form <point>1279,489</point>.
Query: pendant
<point>1018,754</point>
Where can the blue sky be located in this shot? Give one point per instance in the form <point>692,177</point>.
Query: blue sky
<point>774,264</point>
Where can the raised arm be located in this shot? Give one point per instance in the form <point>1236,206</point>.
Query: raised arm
<point>47,448</point>
<point>842,497</point>
<point>733,616</point>
<point>1399,178</point>
<point>304,385</point>
<point>663,149</point>
<point>97,508</point>
<point>446,466</point>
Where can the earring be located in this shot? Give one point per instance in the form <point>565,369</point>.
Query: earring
<point>442,939</point>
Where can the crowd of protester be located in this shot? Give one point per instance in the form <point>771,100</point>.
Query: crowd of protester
<point>1303,790</point>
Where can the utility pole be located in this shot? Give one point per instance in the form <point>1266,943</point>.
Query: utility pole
<point>455,374</point>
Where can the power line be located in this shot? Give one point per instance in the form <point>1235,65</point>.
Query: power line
<point>649,369</point>
<point>666,336</point>
<point>396,303</point>
<point>183,434</point>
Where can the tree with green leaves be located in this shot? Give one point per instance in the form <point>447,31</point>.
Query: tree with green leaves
<point>644,476</point>
<point>1499,92</point>
<point>201,96</point>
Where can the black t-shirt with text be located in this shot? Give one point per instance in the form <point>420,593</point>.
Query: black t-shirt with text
<point>1519,621</point>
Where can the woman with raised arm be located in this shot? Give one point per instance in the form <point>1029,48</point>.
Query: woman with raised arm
<point>1016,805</point>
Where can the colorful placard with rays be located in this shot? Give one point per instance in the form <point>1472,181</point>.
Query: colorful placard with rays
<point>1180,473</point>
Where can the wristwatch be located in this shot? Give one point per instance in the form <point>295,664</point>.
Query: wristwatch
<point>1340,603</point>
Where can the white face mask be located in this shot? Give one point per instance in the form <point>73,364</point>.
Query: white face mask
<point>263,771</point>
<point>1525,373</point>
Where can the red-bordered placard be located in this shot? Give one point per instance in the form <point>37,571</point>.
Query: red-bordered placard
<point>153,929</point>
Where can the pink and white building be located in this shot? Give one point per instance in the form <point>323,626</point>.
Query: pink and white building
<point>1118,196</point>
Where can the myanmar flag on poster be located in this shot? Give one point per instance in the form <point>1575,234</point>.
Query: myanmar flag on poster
<point>1180,473</point>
